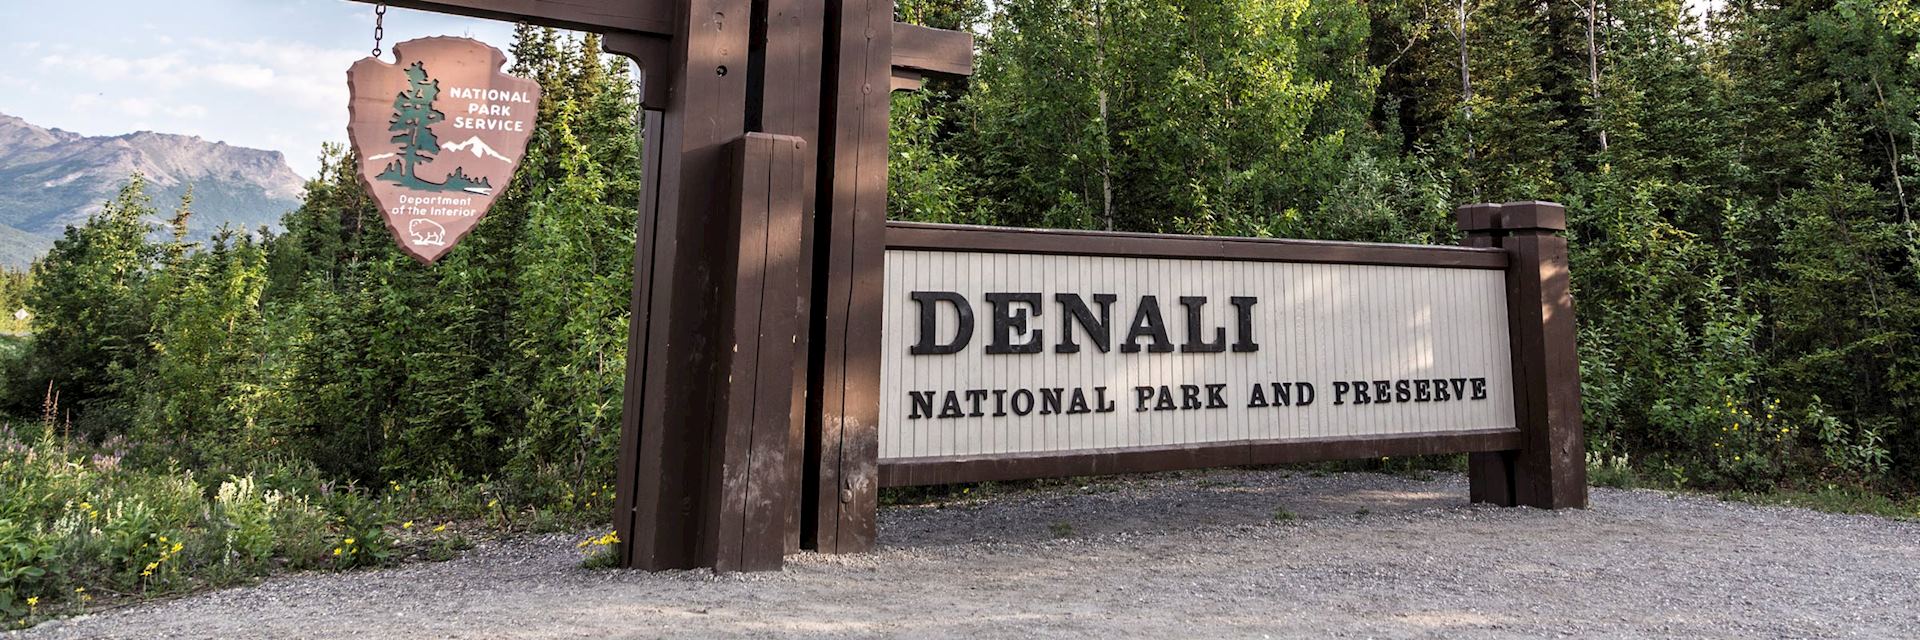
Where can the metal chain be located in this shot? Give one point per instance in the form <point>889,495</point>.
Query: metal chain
<point>379,27</point>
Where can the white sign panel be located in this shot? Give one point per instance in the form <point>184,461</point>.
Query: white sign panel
<point>998,354</point>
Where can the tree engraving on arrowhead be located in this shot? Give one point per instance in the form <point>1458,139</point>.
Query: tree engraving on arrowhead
<point>431,192</point>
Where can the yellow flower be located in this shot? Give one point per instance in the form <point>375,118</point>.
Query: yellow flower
<point>147,572</point>
<point>493,503</point>
<point>163,539</point>
<point>336,551</point>
<point>440,528</point>
<point>407,525</point>
<point>153,565</point>
<point>33,602</point>
<point>176,548</point>
<point>79,589</point>
<point>348,541</point>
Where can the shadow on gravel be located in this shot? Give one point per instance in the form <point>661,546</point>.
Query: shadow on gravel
<point>1165,503</point>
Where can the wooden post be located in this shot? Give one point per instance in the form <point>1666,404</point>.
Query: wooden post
<point>1549,471</point>
<point>843,441</point>
<point>674,381</point>
<point>749,499</point>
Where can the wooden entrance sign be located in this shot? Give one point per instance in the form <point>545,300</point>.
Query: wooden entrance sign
<point>438,135</point>
<point>756,369</point>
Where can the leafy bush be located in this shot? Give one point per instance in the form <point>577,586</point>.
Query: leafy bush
<point>74,522</point>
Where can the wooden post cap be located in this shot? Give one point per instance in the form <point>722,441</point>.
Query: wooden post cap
<point>1533,215</point>
<point>1478,218</point>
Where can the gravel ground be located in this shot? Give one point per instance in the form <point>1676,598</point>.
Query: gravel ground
<point>1175,555</point>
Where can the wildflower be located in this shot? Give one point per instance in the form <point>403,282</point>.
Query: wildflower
<point>336,551</point>
<point>163,539</point>
<point>146,573</point>
<point>440,528</point>
<point>33,601</point>
<point>493,503</point>
<point>348,541</point>
<point>176,548</point>
<point>79,589</point>
<point>153,565</point>
<point>407,525</point>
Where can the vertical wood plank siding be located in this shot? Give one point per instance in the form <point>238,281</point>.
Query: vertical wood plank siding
<point>1327,312</point>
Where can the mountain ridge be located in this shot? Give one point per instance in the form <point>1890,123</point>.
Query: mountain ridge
<point>51,178</point>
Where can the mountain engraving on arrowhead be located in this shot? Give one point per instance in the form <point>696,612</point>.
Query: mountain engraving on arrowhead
<point>432,193</point>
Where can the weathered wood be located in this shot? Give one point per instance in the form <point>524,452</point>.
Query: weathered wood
<point>654,17</point>
<point>654,57</point>
<point>932,51</point>
<point>686,343</point>
<point>843,442</point>
<point>627,468</point>
<point>1550,472</point>
<point>753,492</point>
<point>789,79</point>
<point>953,237</point>
<point>949,470</point>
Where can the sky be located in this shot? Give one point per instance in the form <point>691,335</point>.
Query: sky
<point>266,74</point>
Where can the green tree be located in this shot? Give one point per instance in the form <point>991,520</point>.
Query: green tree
<point>412,124</point>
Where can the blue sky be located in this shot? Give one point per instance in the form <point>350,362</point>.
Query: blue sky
<point>268,74</point>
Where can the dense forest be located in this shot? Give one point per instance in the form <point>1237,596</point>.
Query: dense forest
<point>1736,183</point>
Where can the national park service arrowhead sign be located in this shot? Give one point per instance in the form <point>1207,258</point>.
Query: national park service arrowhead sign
<point>438,135</point>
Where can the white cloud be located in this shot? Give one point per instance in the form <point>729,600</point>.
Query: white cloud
<point>162,70</point>
<point>244,76</point>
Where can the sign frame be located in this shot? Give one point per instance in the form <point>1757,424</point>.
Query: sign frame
<point>905,236</point>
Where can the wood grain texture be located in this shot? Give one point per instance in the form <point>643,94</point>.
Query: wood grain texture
<point>932,51</point>
<point>654,17</point>
<point>684,360</point>
<point>945,237</point>
<point>791,94</point>
<point>842,436</point>
<point>627,466</point>
<point>1549,472</point>
<point>954,469</point>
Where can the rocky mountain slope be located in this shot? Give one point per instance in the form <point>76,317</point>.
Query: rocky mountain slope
<point>51,178</point>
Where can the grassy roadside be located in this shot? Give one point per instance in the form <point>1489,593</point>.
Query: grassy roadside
<point>80,531</point>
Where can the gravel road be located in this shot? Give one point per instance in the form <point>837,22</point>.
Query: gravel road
<point>1193,555</point>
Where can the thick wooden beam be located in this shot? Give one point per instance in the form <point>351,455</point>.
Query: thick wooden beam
<point>788,82</point>
<point>652,17</point>
<point>923,50</point>
<point>674,393</point>
<point>843,436</point>
<point>932,51</point>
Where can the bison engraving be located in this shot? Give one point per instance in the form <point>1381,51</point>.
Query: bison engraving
<point>427,232</point>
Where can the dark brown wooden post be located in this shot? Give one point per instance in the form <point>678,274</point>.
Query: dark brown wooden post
<point>673,382</point>
<point>1549,471</point>
<point>843,442</point>
<point>753,491</point>
<point>789,96</point>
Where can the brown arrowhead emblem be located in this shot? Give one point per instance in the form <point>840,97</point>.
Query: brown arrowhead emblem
<point>438,135</point>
